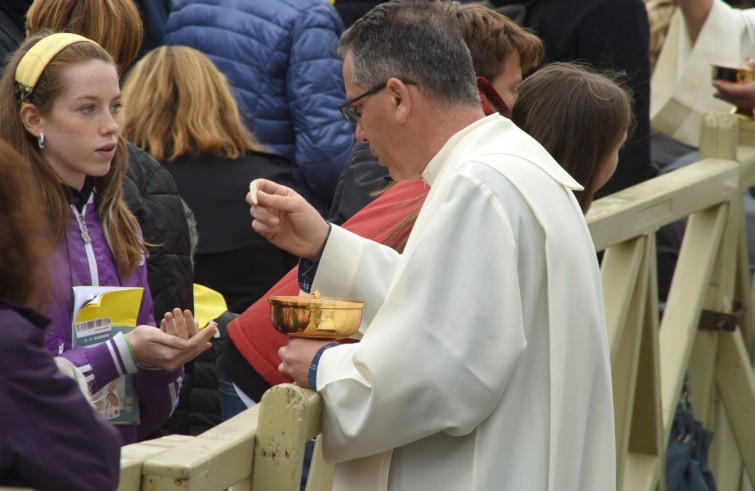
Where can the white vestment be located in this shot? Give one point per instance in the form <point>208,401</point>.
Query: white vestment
<point>681,88</point>
<point>485,362</point>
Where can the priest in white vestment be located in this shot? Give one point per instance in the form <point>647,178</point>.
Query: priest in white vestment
<point>701,33</point>
<point>484,360</point>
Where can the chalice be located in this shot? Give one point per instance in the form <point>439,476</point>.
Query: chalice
<point>315,317</point>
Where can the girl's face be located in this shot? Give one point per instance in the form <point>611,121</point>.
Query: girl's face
<point>81,129</point>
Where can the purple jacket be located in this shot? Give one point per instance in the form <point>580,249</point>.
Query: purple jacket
<point>69,266</point>
<point>50,438</point>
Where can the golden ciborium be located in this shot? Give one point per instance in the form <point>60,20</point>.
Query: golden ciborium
<point>735,74</point>
<point>315,317</point>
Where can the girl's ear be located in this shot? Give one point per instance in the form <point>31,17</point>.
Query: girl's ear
<point>31,119</point>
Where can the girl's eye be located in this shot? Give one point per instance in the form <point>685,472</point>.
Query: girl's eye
<point>88,108</point>
<point>116,107</point>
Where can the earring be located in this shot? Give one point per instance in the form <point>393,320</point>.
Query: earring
<point>41,141</point>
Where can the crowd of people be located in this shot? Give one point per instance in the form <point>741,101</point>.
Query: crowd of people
<point>419,155</point>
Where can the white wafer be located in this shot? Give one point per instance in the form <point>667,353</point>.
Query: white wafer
<point>253,192</point>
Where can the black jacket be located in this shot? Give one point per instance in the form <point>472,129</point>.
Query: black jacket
<point>12,31</point>
<point>362,177</point>
<point>152,196</point>
<point>231,257</point>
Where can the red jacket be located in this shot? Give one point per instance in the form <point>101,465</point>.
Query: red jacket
<point>252,332</point>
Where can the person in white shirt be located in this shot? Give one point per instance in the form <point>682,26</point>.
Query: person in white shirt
<point>484,360</point>
<point>701,33</point>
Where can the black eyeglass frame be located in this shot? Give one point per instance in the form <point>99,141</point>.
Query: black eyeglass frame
<point>351,113</point>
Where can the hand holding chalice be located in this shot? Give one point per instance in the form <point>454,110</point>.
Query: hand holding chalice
<point>736,85</point>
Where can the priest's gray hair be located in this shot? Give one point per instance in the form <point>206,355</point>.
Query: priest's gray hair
<point>411,40</point>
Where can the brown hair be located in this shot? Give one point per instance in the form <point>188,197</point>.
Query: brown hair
<point>175,102</point>
<point>578,115</point>
<point>22,227</point>
<point>492,37</point>
<point>119,224</point>
<point>114,24</point>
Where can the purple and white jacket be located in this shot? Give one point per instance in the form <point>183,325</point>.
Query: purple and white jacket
<point>83,258</point>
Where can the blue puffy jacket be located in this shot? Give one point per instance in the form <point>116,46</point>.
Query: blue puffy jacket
<point>280,57</point>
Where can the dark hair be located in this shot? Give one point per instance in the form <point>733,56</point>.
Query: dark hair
<point>411,40</point>
<point>578,115</point>
<point>22,229</point>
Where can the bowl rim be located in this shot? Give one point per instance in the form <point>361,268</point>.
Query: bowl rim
<point>322,302</point>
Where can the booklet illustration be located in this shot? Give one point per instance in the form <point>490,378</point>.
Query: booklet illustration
<point>99,313</point>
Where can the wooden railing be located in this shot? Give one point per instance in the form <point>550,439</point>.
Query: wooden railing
<point>706,330</point>
<point>262,449</point>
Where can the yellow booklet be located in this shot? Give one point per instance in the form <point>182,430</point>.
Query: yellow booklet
<point>99,313</point>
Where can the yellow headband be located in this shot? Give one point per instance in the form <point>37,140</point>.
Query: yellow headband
<point>36,59</point>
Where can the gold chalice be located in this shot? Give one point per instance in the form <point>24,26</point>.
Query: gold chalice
<point>315,317</point>
<point>735,74</point>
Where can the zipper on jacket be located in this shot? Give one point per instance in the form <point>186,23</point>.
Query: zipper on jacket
<point>80,217</point>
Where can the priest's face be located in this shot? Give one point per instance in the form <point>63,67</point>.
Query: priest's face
<point>372,119</point>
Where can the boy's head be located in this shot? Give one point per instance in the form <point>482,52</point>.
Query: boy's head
<point>501,50</point>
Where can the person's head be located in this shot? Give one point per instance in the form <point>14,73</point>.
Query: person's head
<point>116,25</point>
<point>501,50</point>
<point>581,117</point>
<point>112,399</point>
<point>59,99</point>
<point>176,103</point>
<point>21,227</point>
<point>405,67</point>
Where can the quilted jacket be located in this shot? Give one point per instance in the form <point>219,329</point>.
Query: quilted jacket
<point>12,15</point>
<point>152,196</point>
<point>280,58</point>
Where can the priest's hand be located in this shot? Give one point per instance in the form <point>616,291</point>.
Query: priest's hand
<point>286,219</point>
<point>739,94</point>
<point>296,359</point>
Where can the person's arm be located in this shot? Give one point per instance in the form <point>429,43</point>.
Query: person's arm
<point>315,89</point>
<point>156,357</point>
<point>419,347</point>
<point>695,13</point>
<point>50,435</point>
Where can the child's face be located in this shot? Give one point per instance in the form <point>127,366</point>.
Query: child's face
<point>506,82</point>
<point>81,130</point>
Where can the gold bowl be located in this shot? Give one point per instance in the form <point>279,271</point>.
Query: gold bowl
<point>315,316</point>
<point>735,74</point>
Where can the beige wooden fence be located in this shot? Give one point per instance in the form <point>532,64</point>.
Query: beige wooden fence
<point>707,326</point>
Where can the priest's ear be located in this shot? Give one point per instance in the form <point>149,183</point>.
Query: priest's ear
<point>402,100</point>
